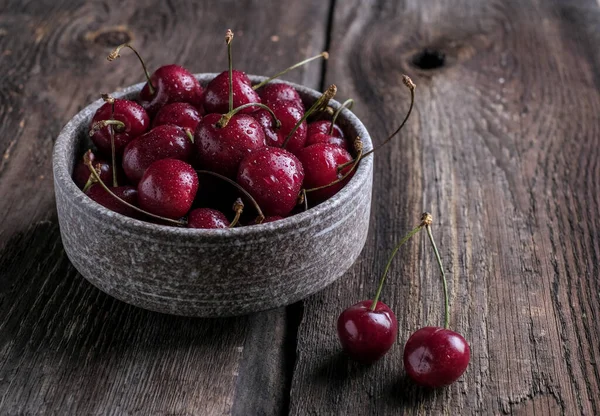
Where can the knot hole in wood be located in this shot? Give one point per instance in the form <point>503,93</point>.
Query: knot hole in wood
<point>428,59</point>
<point>110,36</point>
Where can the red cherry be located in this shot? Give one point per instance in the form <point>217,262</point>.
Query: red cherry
<point>162,142</point>
<point>323,126</point>
<point>207,218</point>
<point>436,357</point>
<point>131,114</point>
<point>326,138</point>
<point>273,177</point>
<point>277,93</point>
<point>321,163</point>
<point>288,115</point>
<point>221,149</point>
<point>367,335</point>
<point>168,188</point>
<point>216,95</point>
<point>81,173</point>
<point>183,115</point>
<point>126,193</point>
<point>172,84</point>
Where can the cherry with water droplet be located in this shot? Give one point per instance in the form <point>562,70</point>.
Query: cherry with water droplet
<point>126,193</point>
<point>274,177</point>
<point>168,188</point>
<point>183,115</point>
<point>162,142</point>
<point>207,218</point>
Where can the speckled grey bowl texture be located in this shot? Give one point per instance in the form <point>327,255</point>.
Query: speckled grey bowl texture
<point>210,273</point>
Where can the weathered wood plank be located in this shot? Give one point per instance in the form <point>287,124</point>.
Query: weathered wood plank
<point>504,151</point>
<point>65,347</point>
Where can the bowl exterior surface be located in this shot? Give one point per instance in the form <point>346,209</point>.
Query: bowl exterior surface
<point>210,273</point>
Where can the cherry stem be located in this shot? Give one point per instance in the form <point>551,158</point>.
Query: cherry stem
<point>411,86</point>
<point>261,216</point>
<point>323,55</point>
<point>88,163</point>
<point>320,104</point>
<point>359,149</point>
<point>407,237</point>
<point>110,100</point>
<point>224,120</point>
<point>238,207</point>
<point>89,183</point>
<point>349,103</point>
<point>444,282</point>
<point>115,54</point>
<point>99,125</point>
<point>189,134</point>
<point>228,39</point>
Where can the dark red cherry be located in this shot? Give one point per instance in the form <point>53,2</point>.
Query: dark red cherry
<point>323,126</point>
<point>126,193</point>
<point>288,115</point>
<point>131,114</point>
<point>172,84</point>
<point>275,93</point>
<point>216,95</point>
<point>436,357</point>
<point>162,142</point>
<point>326,138</point>
<point>179,114</point>
<point>221,149</point>
<point>321,163</point>
<point>207,218</point>
<point>81,173</point>
<point>273,177</point>
<point>367,335</point>
<point>168,188</point>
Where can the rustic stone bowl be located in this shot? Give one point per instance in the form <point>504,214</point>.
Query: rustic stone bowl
<point>210,273</point>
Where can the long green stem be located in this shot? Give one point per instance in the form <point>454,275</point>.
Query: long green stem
<point>324,55</point>
<point>319,104</point>
<point>389,263</point>
<point>444,282</point>
<point>347,104</point>
<point>411,86</point>
<point>226,117</point>
<point>111,101</point>
<point>228,39</point>
<point>115,54</point>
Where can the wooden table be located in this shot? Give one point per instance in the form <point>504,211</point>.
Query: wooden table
<point>503,149</point>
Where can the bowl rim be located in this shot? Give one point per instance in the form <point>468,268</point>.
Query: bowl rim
<point>63,177</point>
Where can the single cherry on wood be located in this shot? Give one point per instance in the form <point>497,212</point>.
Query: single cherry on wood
<point>368,329</point>
<point>168,84</point>
<point>434,356</point>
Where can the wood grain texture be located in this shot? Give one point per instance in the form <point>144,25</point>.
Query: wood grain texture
<point>503,149</point>
<point>65,347</point>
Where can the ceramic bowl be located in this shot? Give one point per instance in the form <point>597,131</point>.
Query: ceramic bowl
<point>210,273</point>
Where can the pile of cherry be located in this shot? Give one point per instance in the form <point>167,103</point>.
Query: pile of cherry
<point>184,155</point>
